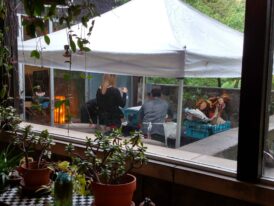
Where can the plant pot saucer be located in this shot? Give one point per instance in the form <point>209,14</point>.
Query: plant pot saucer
<point>132,204</point>
<point>35,190</point>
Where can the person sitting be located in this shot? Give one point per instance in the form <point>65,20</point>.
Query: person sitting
<point>153,114</point>
<point>109,100</point>
<point>89,112</point>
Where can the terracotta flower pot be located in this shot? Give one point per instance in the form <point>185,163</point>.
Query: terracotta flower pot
<point>34,177</point>
<point>114,195</point>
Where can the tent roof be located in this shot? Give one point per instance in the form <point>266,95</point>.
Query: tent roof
<point>153,38</point>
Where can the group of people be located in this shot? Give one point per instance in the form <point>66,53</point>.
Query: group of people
<point>213,108</point>
<point>105,110</point>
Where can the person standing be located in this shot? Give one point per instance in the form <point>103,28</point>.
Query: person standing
<point>109,100</point>
<point>153,114</point>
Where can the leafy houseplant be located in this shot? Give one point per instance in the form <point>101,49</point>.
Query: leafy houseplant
<point>108,160</point>
<point>8,162</point>
<point>63,185</point>
<point>35,173</point>
<point>79,180</point>
<point>67,182</point>
<point>9,119</point>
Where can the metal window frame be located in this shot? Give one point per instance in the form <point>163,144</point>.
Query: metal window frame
<point>255,89</point>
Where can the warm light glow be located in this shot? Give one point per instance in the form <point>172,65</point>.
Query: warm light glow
<point>60,112</point>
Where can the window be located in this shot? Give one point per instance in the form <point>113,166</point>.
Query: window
<point>255,95</point>
<point>220,150</point>
<point>208,141</point>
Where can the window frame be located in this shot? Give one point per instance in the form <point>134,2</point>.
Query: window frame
<point>255,89</point>
<point>256,67</point>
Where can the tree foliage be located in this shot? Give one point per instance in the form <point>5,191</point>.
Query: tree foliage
<point>229,12</point>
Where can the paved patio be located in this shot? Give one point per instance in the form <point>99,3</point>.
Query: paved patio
<point>224,145</point>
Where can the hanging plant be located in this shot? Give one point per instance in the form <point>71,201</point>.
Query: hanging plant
<point>40,11</point>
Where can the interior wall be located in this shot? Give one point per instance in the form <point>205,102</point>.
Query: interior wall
<point>164,193</point>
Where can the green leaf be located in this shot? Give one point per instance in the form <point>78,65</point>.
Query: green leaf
<point>38,8</point>
<point>86,76</point>
<point>85,41</point>
<point>82,76</point>
<point>89,76</point>
<point>35,54</point>
<point>47,39</point>
<point>3,91</point>
<point>80,44</point>
<point>67,102</point>
<point>72,44</point>
<point>28,6</point>
<point>86,49</point>
<point>59,103</point>
<point>84,21</point>
<point>52,11</point>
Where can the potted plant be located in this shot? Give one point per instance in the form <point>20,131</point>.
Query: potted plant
<point>108,160</point>
<point>68,181</point>
<point>9,159</point>
<point>9,119</point>
<point>35,173</point>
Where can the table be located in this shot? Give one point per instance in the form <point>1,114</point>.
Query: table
<point>12,197</point>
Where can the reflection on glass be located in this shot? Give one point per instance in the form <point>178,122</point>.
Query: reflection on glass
<point>209,117</point>
<point>268,170</point>
<point>37,102</point>
<point>59,111</point>
<point>209,113</point>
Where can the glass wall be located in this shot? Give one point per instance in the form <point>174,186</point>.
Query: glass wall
<point>269,143</point>
<point>200,123</point>
<point>37,95</point>
<point>268,153</point>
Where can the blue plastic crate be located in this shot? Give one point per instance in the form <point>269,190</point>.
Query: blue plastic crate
<point>221,127</point>
<point>197,134</point>
<point>132,116</point>
<point>200,130</point>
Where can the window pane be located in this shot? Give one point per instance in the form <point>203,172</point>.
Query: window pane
<point>37,95</point>
<point>202,128</point>
<point>268,169</point>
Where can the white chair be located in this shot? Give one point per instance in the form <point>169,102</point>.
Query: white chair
<point>170,129</point>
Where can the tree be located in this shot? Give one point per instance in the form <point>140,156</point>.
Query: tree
<point>229,12</point>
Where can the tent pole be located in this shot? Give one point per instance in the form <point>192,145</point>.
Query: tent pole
<point>52,101</point>
<point>143,89</point>
<point>179,112</point>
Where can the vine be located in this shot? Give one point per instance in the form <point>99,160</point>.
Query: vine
<point>6,58</point>
<point>40,11</point>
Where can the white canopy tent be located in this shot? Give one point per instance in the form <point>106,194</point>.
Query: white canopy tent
<point>164,38</point>
<point>152,38</point>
